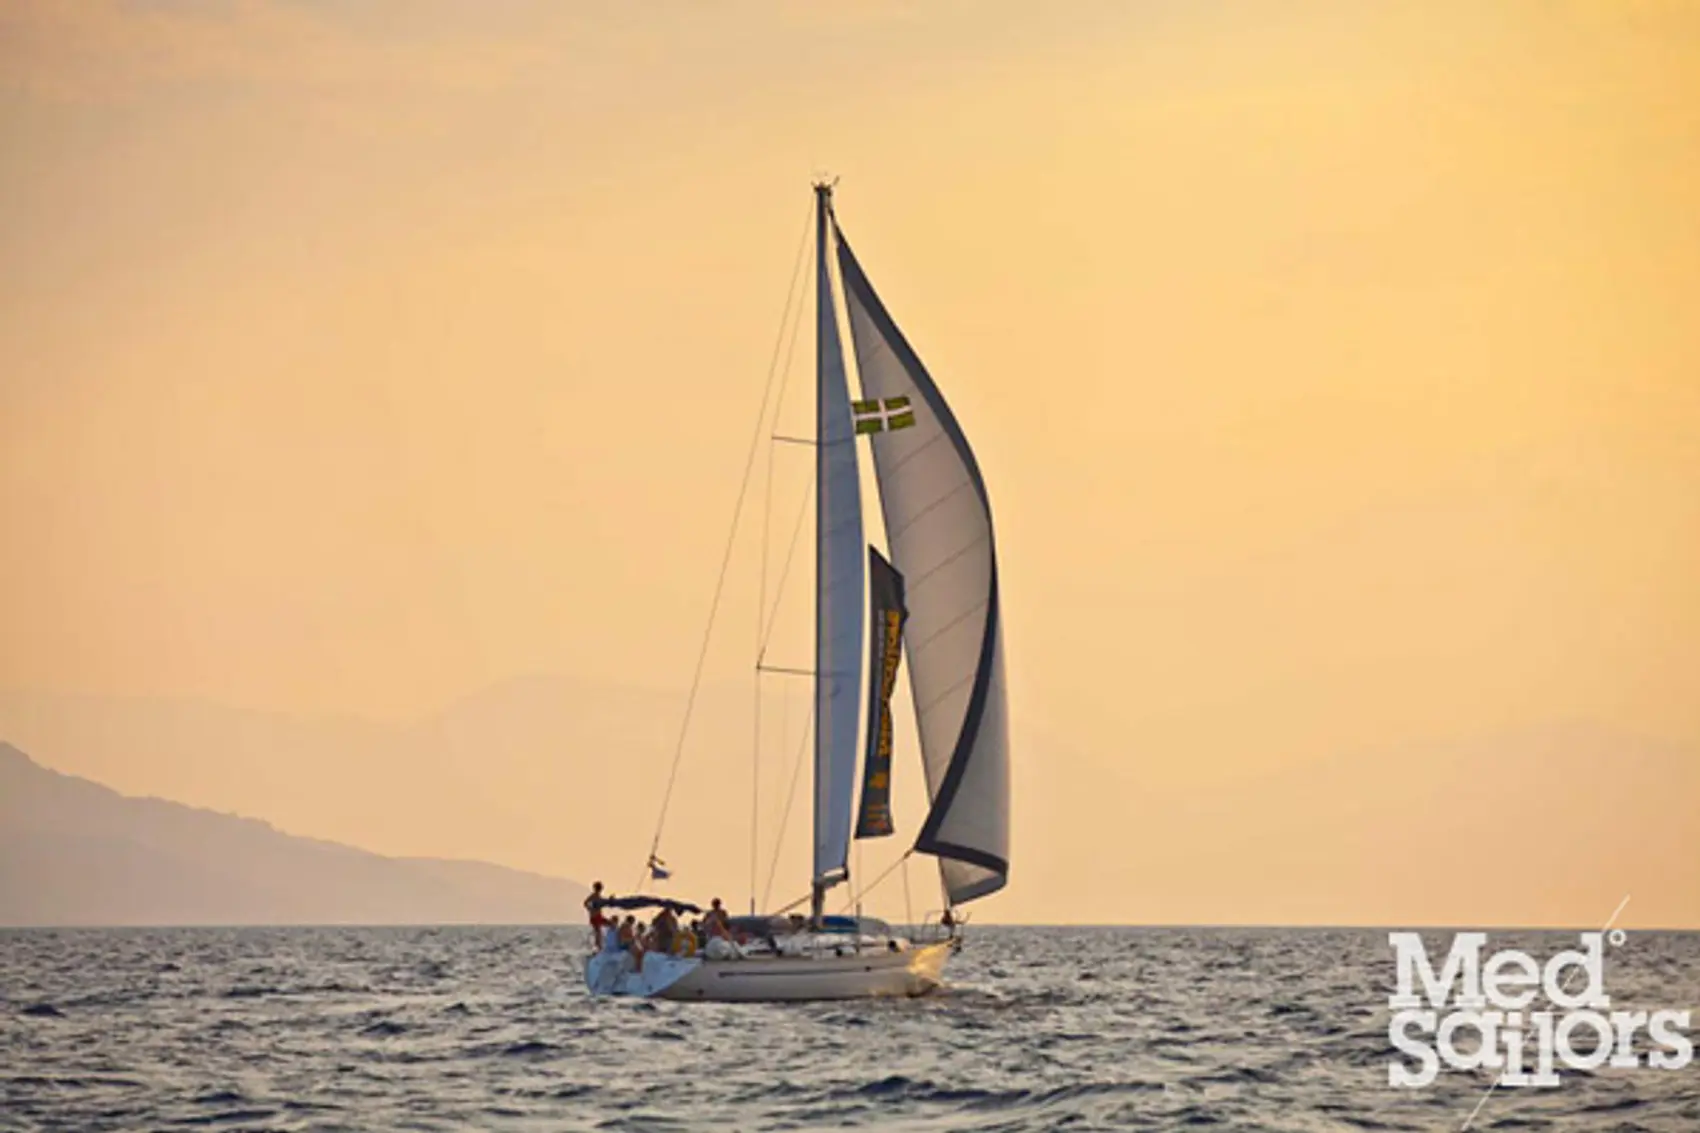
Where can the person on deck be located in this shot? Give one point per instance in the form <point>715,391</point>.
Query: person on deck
<point>593,905</point>
<point>666,928</point>
<point>715,922</point>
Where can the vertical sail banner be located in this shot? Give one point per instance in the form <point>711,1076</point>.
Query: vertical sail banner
<point>886,618</point>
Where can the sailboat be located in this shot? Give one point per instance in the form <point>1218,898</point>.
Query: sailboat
<point>933,598</point>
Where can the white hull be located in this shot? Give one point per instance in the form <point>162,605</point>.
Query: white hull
<point>867,974</point>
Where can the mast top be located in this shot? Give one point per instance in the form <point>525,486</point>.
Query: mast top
<point>824,186</point>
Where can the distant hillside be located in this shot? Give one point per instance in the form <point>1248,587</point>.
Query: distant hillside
<point>532,772</point>
<point>73,852</point>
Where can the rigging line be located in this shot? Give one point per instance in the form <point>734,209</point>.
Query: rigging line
<point>787,671</point>
<point>799,901</point>
<point>790,353</point>
<point>790,798</point>
<point>763,635</point>
<point>755,759</point>
<point>859,892</point>
<point>866,889</point>
<point>726,556</point>
<point>908,909</point>
<point>785,570</point>
<point>755,677</point>
<point>795,315</point>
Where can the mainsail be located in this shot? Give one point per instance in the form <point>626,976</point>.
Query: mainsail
<point>838,581</point>
<point>938,526</point>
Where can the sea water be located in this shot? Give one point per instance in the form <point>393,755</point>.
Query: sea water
<point>1040,1028</point>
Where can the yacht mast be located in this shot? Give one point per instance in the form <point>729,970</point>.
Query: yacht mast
<point>823,313</point>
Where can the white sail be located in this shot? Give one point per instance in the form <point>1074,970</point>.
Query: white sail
<point>839,559</point>
<point>938,525</point>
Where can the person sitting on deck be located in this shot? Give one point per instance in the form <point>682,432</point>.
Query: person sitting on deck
<point>627,932</point>
<point>715,922</point>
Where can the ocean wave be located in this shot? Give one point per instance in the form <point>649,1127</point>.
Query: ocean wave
<point>457,1029</point>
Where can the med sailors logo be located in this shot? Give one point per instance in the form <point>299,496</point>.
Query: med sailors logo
<point>1519,1015</point>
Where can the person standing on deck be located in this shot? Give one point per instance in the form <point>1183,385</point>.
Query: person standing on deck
<point>666,929</point>
<point>593,905</point>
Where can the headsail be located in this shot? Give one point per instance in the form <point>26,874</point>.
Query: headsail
<point>838,580</point>
<point>885,642</point>
<point>938,525</point>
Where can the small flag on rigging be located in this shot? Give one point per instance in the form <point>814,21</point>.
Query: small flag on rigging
<point>873,416</point>
<point>658,869</point>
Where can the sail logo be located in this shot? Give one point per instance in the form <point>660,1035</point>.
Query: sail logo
<point>885,587</point>
<point>873,415</point>
<point>893,627</point>
<point>1482,1013</point>
<point>876,802</point>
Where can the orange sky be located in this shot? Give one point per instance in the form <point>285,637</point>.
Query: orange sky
<point>1332,368</point>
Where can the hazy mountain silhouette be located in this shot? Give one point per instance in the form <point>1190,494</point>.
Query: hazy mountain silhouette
<point>542,770</point>
<point>73,852</point>
<point>533,772</point>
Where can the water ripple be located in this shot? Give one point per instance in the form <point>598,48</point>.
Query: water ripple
<point>487,1029</point>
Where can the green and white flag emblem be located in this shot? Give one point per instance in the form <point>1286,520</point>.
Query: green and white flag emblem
<point>873,415</point>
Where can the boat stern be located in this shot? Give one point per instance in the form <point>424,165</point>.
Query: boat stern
<point>613,973</point>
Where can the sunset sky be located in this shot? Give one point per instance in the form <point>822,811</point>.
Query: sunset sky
<point>1334,369</point>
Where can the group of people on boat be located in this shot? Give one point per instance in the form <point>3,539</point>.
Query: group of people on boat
<point>664,933</point>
